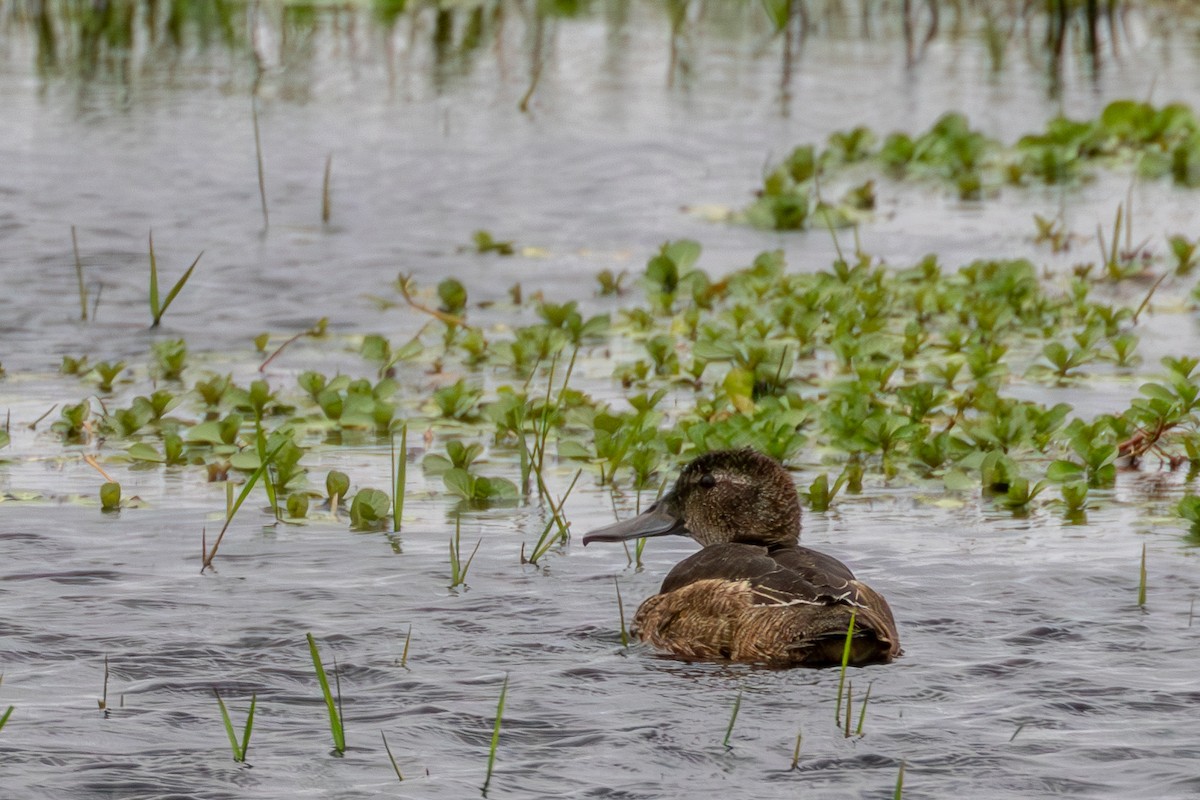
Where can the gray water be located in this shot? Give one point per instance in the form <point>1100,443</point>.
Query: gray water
<point>1029,669</point>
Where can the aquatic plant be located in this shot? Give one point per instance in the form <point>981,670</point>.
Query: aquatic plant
<point>1141,595</point>
<point>157,308</point>
<point>491,761</point>
<point>207,554</point>
<point>837,706</point>
<point>391,758</point>
<point>399,464</point>
<point>737,704</point>
<point>458,567</point>
<point>336,721</point>
<point>486,243</point>
<point>239,748</point>
<point>369,510</point>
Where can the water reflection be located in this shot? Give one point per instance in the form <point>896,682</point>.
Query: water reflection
<point>442,44</point>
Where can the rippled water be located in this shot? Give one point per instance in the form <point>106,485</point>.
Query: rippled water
<point>1029,669</point>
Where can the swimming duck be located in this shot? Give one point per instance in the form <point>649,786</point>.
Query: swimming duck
<point>752,593</point>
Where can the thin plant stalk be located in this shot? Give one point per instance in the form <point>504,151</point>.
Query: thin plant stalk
<point>258,157</point>
<point>157,309</point>
<point>545,541</point>
<point>260,446</point>
<point>399,476</point>
<point>862,716</point>
<point>845,662</point>
<point>737,704</point>
<point>491,762</point>
<point>103,701</point>
<point>407,642</point>
<point>458,569</point>
<point>336,727</point>
<point>621,613</point>
<point>239,749</point>
<point>4,717</point>
<point>796,750</point>
<point>391,758</point>
<point>326,201</point>
<point>83,315</point>
<point>899,793</point>
<point>1142,579</point>
<point>241,498</point>
<point>849,707</point>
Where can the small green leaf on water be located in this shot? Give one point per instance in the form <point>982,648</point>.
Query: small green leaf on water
<point>260,342</point>
<point>110,496</point>
<point>297,505</point>
<point>958,481</point>
<point>336,484</point>
<point>141,451</point>
<point>368,510</point>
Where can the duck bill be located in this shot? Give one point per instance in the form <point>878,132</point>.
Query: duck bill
<point>658,520</point>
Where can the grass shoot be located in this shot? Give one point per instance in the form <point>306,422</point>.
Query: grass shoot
<point>264,463</point>
<point>407,642</point>
<point>391,758</point>
<point>459,568</point>
<point>103,699</point>
<point>1141,601</point>
<point>327,206</point>
<point>899,792</point>
<point>258,158</point>
<point>83,314</point>
<point>796,749</point>
<point>157,308</point>
<point>399,476</point>
<point>491,762</point>
<point>737,705</point>
<point>336,720</point>
<point>239,748</point>
<point>845,663</point>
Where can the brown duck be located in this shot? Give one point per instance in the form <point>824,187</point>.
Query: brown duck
<point>753,593</point>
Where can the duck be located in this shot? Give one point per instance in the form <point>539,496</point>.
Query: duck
<point>752,593</point>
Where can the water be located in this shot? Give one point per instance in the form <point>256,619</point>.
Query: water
<point>1029,669</point>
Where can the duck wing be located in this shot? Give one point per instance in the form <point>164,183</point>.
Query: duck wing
<point>786,606</point>
<point>779,575</point>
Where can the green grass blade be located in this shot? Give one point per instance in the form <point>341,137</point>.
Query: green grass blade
<point>796,751</point>
<point>491,762</point>
<point>241,498</point>
<point>391,758</point>
<point>83,315</point>
<point>154,314</point>
<point>335,719</point>
<point>174,289</point>
<point>249,725</point>
<point>407,642</point>
<point>845,661</point>
<point>862,716</point>
<point>399,476</point>
<point>233,742</point>
<point>5,716</point>
<point>737,705</point>
<point>899,793</point>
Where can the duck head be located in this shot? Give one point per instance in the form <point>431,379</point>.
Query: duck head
<point>723,496</point>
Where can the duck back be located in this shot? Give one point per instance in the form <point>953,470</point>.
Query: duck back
<point>783,606</point>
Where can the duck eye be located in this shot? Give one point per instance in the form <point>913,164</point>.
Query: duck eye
<point>707,480</point>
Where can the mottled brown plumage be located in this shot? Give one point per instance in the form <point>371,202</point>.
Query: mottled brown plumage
<point>752,594</point>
